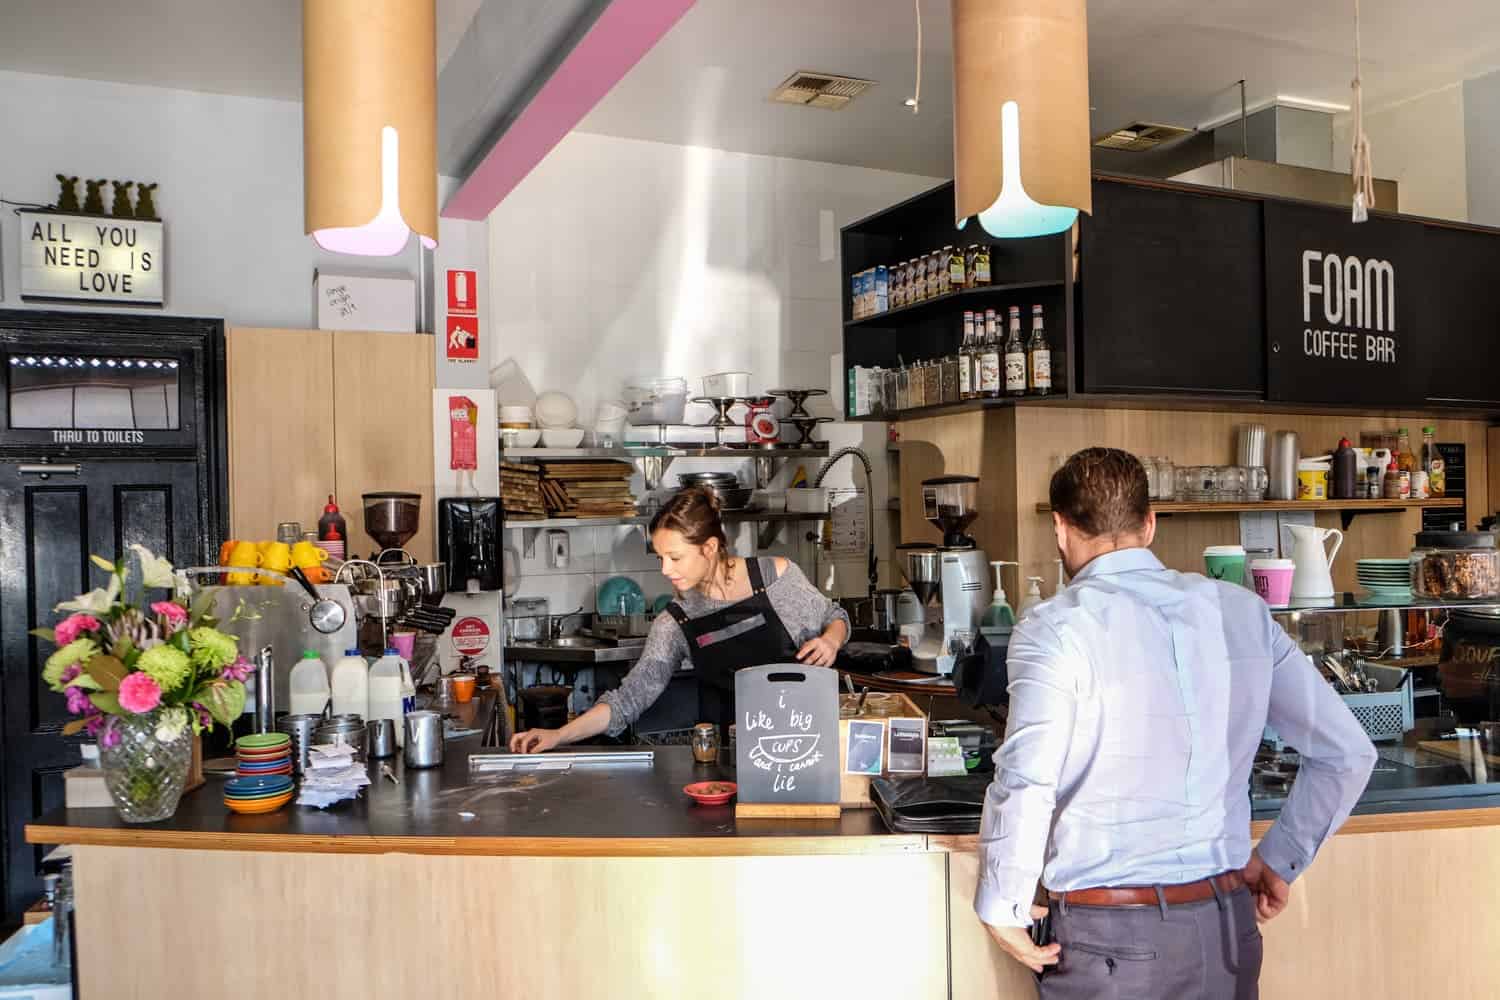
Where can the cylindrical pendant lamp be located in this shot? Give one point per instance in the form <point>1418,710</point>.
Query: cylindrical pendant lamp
<point>1021,114</point>
<point>369,124</point>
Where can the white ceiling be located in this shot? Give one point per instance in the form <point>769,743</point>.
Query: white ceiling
<point>1174,61</point>
<point>251,48</point>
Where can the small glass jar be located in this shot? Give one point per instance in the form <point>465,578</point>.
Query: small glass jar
<point>1182,481</point>
<point>1455,565</point>
<point>705,743</point>
<point>1231,483</point>
<point>1257,482</point>
<point>932,390</point>
<point>1166,479</point>
<point>1153,484</point>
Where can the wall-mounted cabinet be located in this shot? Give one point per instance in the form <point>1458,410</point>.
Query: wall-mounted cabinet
<point>1183,295</point>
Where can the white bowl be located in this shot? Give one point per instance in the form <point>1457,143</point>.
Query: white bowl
<point>722,384</point>
<point>555,409</point>
<point>515,414</point>
<point>561,437</point>
<point>521,439</point>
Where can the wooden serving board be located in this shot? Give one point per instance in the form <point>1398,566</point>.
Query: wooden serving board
<point>1463,751</point>
<point>785,810</point>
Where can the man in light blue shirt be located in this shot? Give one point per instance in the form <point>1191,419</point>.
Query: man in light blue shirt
<point>1137,700</point>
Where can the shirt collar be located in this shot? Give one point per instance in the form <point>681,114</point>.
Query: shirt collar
<point>1119,561</point>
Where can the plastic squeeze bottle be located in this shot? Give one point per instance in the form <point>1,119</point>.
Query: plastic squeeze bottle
<point>308,684</point>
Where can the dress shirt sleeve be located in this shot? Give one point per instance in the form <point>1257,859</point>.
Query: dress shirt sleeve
<point>1019,804</point>
<point>1337,757</point>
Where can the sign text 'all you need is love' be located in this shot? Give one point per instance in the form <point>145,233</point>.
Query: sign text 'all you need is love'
<point>91,258</point>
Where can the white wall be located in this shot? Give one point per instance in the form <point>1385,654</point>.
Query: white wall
<point>1421,144</point>
<point>618,258</point>
<point>230,176</point>
<point>1481,116</point>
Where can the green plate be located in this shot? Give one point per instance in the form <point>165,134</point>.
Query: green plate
<point>262,741</point>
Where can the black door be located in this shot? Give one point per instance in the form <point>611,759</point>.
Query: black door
<point>49,524</point>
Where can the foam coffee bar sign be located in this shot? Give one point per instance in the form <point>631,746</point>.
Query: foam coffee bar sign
<point>1343,305</point>
<point>91,258</point>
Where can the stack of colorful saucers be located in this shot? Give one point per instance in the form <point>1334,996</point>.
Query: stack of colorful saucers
<point>258,793</point>
<point>264,754</point>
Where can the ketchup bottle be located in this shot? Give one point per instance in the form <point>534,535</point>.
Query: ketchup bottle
<point>331,527</point>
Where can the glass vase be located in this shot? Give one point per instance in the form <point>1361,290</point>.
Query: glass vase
<point>145,759</point>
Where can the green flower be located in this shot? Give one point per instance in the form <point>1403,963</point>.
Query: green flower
<point>168,666</point>
<point>212,649</point>
<point>77,651</point>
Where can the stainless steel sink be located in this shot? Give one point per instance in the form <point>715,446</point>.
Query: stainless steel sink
<point>579,649</point>
<point>576,642</point>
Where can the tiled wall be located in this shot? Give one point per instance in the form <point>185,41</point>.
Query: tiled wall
<point>618,258</point>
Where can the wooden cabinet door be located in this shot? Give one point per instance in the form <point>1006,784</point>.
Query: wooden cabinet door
<point>382,398</point>
<point>281,430</point>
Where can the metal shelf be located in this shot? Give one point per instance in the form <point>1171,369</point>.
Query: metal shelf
<point>1347,509</point>
<point>729,517</point>
<point>684,450</point>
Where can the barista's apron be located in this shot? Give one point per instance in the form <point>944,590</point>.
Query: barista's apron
<point>748,633</point>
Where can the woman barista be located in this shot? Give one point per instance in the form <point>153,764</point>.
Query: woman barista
<point>729,613</point>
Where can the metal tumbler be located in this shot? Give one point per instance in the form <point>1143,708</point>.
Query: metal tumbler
<point>424,739</point>
<point>380,739</point>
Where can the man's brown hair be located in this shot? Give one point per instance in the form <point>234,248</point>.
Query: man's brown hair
<point>1102,491</point>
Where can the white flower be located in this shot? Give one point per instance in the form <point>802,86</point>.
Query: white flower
<point>97,601</point>
<point>171,724</point>
<point>102,563</point>
<point>155,571</point>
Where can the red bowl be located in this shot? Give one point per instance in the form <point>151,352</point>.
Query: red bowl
<point>711,793</point>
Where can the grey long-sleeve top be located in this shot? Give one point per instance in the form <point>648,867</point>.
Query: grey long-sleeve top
<point>802,608</point>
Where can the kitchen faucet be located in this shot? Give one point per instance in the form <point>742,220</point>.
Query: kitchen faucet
<point>869,506</point>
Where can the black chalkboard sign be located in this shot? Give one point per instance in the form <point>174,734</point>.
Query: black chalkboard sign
<point>1348,307</point>
<point>787,719</point>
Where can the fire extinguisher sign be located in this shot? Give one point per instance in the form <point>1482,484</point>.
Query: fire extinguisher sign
<point>462,326</point>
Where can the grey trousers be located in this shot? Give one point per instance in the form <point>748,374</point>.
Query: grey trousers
<point>1196,951</point>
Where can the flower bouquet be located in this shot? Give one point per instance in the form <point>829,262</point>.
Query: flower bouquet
<point>144,681</point>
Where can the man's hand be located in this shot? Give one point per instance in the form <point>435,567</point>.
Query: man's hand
<point>1272,892</point>
<point>1017,943</point>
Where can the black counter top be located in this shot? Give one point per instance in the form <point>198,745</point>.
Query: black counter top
<point>615,809</point>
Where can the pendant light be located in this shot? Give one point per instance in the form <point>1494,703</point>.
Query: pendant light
<point>1021,115</point>
<point>369,124</point>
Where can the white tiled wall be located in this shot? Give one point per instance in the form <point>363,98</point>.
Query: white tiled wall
<point>618,258</point>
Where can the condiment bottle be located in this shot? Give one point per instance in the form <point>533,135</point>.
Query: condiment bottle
<point>1432,461</point>
<point>1391,489</point>
<point>1345,471</point>
<point>331,527</point>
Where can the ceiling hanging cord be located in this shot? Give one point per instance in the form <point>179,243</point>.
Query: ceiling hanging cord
<point>1360,169</point>
<point>915,101</point>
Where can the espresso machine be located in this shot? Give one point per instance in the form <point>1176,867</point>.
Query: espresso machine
<point>955,574</point>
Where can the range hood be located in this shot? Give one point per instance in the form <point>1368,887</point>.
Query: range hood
<point>1283,180</point>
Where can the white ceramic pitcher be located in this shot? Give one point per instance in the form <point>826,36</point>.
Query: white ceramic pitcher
<point>1313,579</point>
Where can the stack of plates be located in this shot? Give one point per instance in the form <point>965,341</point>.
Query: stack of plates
<point>264,754</point>
<point>1385,579</point>
<point>257,793</point>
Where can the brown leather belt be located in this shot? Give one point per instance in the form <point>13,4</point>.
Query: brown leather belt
<point>1175,895</point>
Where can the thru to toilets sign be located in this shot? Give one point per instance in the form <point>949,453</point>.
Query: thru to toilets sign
<point>91,258</point>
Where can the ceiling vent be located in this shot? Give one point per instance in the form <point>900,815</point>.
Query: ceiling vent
<point>820,90</point>
<point>1141,136</point>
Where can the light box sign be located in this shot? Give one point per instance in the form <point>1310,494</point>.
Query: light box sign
<point>91,258</point>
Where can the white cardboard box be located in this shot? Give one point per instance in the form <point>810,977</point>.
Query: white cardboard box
<point>365,302</point>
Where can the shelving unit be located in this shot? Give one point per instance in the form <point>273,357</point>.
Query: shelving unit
<point>971,298</point>
<point>1347,509</point>
<point>629,452</point>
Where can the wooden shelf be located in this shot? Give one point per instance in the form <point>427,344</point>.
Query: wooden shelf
<point>1216,507</point>
<point>1349,509</point>
<point>971,296</point>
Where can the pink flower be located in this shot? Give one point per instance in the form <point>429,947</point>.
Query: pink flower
<point>71,673</point>
<point>78,700</point>
<point>205,720</point>
<point>67,630</point>
<point>139,693</point>
<point>239,670</point>
<point>94,722</point>
<point>173,613</point>
<point>109,738</point>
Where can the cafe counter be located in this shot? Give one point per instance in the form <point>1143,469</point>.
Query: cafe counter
<point>607,881</point>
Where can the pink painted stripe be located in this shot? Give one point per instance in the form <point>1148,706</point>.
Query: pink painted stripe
<point>624,33</point>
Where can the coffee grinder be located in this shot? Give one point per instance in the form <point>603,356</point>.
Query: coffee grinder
<point>955,573</point>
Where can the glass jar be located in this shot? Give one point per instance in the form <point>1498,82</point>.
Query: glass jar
<point>888,390</point>
<point>949,392</point>
<point>932,390</point>
<point>1166,479</point>
<point>903,389</point>
<point>1153,486</point>
<point>1257,482</point>
<point>1455,565</point>
<point>1231,483</point>
<point>1204,483</point>
<point>1182,482</point>
<point>705,743</point>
